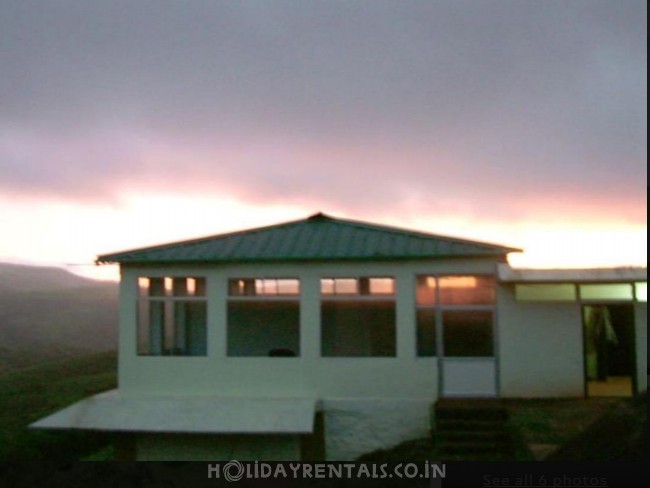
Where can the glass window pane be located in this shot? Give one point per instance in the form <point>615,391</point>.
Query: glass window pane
<point>466,290</point>
<point>613,291</point>
<point>190,328</point>
<point>426,290</point>
<point>168,348</point>
<point>327,286</point>
<point>642,291</point>
<point>179,287</point>
<point>382,286</point>
<point>242,287</point>
<point>151,327</point>
<point>263,328</point>
<point>358,328</point>
<point>288,287</point>
<point>545,292</point>
<point>196,287</point>
<point>269,287</point>
<point>156,287</point>
<point>143,287</point>
<point>426,332</point>
<point>168,325</point>
<point>467,333</point>
<point>168,285</point>
<point>143,343</point>
<point>346,286</point>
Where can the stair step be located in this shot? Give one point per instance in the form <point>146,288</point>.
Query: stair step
<point>471,414</point>
<point>473,436</point>
<point>469,425</point>
<point>472,447</point>
<point>471,429</point>
<point>477,456</point>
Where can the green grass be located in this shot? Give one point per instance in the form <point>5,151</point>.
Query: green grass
<point>32,393</point>
<point>621,433</point>
<point>409,451</point>
<point>555,422</point>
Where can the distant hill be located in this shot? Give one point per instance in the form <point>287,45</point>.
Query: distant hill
<point>21,277</point>
<point>48,313</point>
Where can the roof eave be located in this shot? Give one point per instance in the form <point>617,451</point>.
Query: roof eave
<point>136,261</point>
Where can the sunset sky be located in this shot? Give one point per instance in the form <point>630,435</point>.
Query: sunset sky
<point>132,123</point>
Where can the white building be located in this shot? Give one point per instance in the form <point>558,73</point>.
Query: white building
<point>328,338</point>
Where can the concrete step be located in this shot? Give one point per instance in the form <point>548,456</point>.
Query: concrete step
<point>473,425</point>
<point>471,429</point>
<point>460,447</point>
<point>476,456</point>
<point>468,409</point>
<point>494,436</point>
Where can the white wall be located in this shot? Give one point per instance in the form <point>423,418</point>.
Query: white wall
<point>404,376</point>
<point>641,330</point>
<point>369,402</point>
<point>354,427</point>
<point>540,347</point>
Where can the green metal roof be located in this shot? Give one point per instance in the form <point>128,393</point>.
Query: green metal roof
<point>317,238</point>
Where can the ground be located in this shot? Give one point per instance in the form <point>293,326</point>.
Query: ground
<point>557,429</point>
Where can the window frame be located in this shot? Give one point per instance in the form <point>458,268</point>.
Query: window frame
<point>264,296</point>
<point>269,298</point>
<point>440,308</point>
<point>169,300</point>
<point>359,296</point>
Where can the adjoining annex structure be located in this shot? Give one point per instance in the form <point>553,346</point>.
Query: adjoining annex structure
<point>326,338</point>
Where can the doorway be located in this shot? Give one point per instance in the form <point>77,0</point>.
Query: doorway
<point>609,350</point>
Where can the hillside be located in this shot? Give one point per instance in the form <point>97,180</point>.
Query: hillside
<point>49,313</point>
<point>21,277</point>
<point>32,393</point>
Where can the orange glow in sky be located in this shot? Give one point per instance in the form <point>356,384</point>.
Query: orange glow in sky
<point>523,125</point>
<point>69,235</point>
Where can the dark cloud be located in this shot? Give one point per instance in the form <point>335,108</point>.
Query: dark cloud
<point>357,105</point>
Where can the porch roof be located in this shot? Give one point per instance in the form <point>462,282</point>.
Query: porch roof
<point>112,411</point>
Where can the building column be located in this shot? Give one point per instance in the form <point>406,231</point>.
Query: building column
<point>405,316</point>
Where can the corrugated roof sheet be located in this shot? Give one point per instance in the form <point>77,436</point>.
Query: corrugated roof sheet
<point>317,238</point>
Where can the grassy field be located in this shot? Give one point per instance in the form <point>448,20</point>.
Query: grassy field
<point>32,393</point>
<point>595,429</point>
<point>546,424</point>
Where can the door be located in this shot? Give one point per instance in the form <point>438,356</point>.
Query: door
<point>609,350</point>
<point>467,356</point>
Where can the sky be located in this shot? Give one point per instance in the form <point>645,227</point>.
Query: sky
<point>132,123</point>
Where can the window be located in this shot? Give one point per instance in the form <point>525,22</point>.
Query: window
<point>546,292</point>
<point>543,292</point>
<point>358,286</point>
<point>458,308</point>
<point>467,333</point>
<point>613,291</point>
<point>641,291</point>
<point>263,317</point>
<point>426,332</point>
<point>358,317</point>
<point>251,287</point>
<point>172,317</point>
